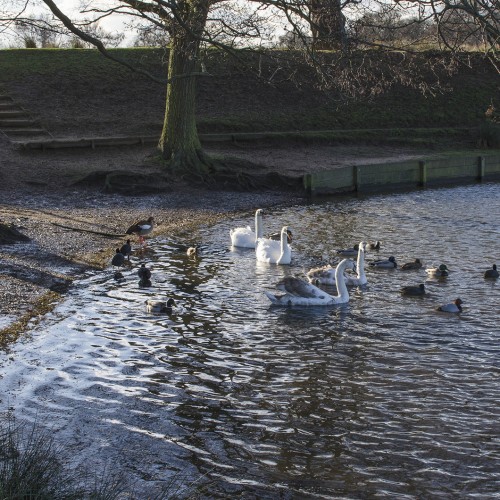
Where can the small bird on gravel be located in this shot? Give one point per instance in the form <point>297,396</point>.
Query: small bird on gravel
<point>118,259</point>
<point>126,249</point>
<point>141,228</point>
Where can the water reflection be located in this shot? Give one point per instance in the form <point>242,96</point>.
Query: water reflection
<point>380,396</point>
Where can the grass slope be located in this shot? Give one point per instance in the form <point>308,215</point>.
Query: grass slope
<point>78,92</point>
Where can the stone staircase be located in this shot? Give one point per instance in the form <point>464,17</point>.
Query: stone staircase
<point>17,124</point>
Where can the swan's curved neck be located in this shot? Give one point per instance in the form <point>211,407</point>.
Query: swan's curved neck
<point>340,281</point>
<point>360,264</point>
<point>284,241</point>
<point>259,230</point>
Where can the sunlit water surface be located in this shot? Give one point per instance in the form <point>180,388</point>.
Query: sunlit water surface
<point>381,397</point>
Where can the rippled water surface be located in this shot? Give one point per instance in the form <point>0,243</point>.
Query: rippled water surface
<point>382,396</point>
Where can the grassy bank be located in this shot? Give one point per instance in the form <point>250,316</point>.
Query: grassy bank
<point>79,92</point>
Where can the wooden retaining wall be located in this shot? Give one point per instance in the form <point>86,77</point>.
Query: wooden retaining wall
<point>406,174</point>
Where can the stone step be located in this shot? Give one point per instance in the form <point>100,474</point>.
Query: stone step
<point>27,132</point>
<point>5,98</point>
<point>14,113</point>
<point>17,123</point>
<point>8,105</point>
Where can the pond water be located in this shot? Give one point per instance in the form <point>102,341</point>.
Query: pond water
<point>383,396</point>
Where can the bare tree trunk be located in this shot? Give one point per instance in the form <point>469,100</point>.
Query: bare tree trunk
<point>179,141</point>
<point>327,24</point>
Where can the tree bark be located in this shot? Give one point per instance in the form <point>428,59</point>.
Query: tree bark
<point>328,24</point>
<point>179,141</point>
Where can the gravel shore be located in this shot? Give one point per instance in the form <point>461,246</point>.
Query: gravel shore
<point>72,229</point>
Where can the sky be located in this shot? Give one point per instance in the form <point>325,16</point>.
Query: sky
<point>72,9</point>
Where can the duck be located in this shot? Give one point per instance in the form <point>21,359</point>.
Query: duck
<point>417,264</point>
<point>144,272</point>
<point>141,228</point>
<point>126,249</point>
<point>439,271</point>
<point>160,306</point>
<point>413,291</point>
<point>491,273</point>
<point>245,237</point>
<point>349,252</point>
<point>274,252</point>
<point>390,263</point>
<point>373,246</point>
<point>145,283</point>
<point>192,252</point>
<point>299,292</point>
<point>454,307</point>
<point>118,277</point>
<point>118,259</point>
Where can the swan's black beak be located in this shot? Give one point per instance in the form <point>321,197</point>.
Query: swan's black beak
<point>289,236</point>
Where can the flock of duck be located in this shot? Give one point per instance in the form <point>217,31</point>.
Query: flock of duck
<point>276,249</point>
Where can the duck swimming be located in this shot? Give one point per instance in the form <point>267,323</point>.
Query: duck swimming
<point>438,272</point>
<point>274,252</point>
<point>454,307</point>
<point>413,291</point>
<point>192,252</point>
<point>390,263</point>
<point>491,273</point>
<point>299,292</point>
<point>144,272</point>
<point>160,306</point>
<point>373,246</point>
<point>245,237</point>
<point>349,252</point>
<point>417,264</point>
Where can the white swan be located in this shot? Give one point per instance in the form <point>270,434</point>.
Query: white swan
<point>302,293</point>
<point>272,251</point>
<point>244,237</point>
<point>360,268</point>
